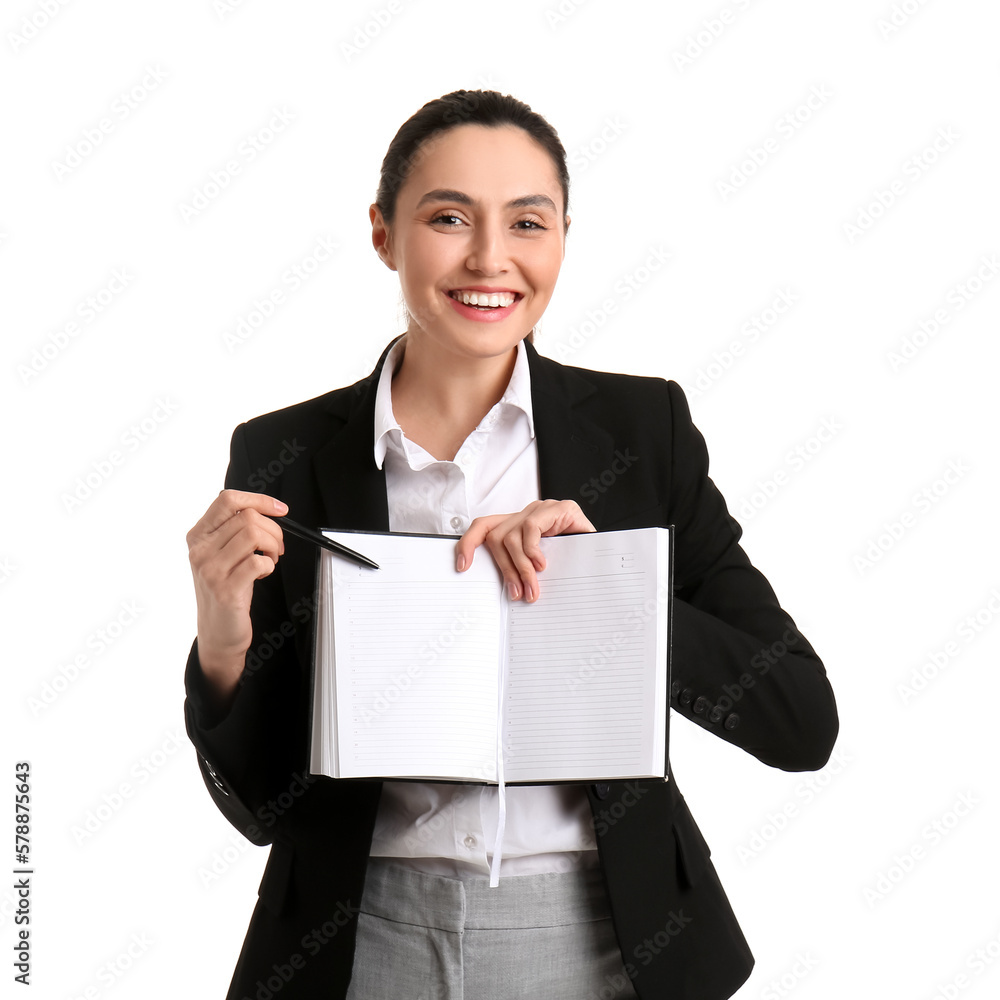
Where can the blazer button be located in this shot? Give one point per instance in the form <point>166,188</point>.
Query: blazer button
<point>215,778</point>
<point>701,706</point>
<point>732,721</point>
<point>715,714</point>
<point>686,695</point>
<point>601,790</point>
<point>675,689</point>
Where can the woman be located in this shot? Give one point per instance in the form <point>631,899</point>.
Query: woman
<point>380,889</point>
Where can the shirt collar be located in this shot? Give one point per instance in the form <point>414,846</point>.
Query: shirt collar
<point>517,393</point>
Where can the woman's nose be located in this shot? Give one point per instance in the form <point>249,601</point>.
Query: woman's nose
<point>488,252</point>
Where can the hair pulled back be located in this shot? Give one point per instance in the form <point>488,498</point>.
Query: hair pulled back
<point>462,107</point>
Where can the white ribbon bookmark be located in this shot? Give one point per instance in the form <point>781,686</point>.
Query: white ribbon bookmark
<point>501,823</point>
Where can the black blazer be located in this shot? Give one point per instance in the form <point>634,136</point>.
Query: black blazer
<point>625,449</point>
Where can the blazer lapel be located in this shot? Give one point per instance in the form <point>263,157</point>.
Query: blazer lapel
<point>572,449</point>
<point>351,485</point>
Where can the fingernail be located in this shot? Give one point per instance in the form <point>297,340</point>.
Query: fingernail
<point>281,507</point>
<point>512,590</point>
<point>460,563</point>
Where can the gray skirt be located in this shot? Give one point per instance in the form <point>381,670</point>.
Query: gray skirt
<point>431,937</point>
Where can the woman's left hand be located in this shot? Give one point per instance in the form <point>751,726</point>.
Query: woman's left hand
<point>513,541</point>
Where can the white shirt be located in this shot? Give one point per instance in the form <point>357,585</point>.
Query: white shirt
<point>447,828</point>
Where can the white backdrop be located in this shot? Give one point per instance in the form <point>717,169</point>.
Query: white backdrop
<point>816,186</point>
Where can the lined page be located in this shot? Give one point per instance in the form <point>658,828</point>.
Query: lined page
<point>586,667</point>
<point>417,652</point>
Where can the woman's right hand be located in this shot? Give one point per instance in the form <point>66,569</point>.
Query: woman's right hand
<point>234,544</point>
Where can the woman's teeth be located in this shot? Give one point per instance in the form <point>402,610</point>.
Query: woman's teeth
<point>492,300</point>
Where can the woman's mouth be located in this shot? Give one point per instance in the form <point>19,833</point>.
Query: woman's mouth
<point>484,306</point>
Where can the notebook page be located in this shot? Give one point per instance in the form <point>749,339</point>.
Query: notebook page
<point>586,673</point>
<point>417,652</point>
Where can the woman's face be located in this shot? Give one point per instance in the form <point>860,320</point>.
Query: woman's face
<point>482,209</point>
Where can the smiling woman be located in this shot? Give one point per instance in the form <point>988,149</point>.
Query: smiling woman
<point>382,888</point>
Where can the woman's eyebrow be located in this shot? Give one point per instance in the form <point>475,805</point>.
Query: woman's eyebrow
<point>525,201</point>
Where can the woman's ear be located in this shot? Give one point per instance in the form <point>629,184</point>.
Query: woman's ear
<point>381,237</point>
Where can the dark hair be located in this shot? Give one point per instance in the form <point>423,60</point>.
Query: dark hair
<point>462,107</point>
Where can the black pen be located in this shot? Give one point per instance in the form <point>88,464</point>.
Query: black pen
<point>311,535</point>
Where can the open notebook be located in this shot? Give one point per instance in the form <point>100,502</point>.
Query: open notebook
<point>422,672</point>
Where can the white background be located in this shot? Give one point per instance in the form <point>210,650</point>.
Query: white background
<point>649,140</point>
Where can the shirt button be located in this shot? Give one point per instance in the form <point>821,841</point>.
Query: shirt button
<point>456,523</point>
<point>470,841</point>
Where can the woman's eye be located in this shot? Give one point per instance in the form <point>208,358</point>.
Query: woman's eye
<point>445,215</point>
<point>532,223</point>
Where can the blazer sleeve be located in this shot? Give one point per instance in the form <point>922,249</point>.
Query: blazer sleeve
<point>248,752</point>
<point>740,667</point>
